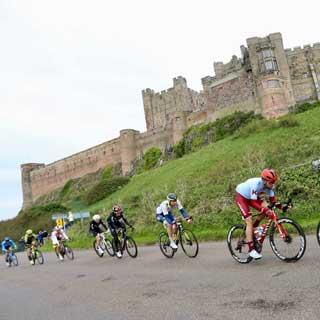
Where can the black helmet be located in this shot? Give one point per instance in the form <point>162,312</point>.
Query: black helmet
<point>172,196</point>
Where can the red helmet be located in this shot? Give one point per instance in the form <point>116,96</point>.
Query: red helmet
<point>269,175</point>
<point>116,209</point>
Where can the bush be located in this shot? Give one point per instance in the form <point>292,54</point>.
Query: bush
<point>106,173</point>
<point>66,189</point>
<point>149,160</point>
<point>104,189</point>
<point>304,107</point>
<point>198,136</point>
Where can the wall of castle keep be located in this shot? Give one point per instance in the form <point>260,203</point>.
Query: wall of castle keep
<point>267,79</point>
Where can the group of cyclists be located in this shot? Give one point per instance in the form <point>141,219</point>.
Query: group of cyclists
<point>248,194</point>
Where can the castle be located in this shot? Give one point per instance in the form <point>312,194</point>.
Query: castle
<point>267,79</point>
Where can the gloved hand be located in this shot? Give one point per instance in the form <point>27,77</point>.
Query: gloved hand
<point>189,220</point>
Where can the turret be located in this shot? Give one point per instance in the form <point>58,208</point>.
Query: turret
<point>128,148</point>
<point>26,169</point>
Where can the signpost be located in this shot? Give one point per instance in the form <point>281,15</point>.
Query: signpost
<point>60,218</point>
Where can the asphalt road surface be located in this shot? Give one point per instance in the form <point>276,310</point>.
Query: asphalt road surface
<point>211,286</point>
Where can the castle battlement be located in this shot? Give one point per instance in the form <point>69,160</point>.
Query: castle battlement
<point>267,80</point>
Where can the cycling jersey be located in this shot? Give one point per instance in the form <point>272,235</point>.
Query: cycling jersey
<point>29,238</point>
<point>5,245</point>
<point>114,220</point>
<point>164,211</point>
<point>56,236</point>
<point>248,195</point>
<point>94,228</point>
<point>253,188</point>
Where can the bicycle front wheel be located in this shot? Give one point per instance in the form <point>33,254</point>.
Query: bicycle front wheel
<point>39,257</point>
<point>96,248</point>
<point>69,253</point>
<point>318,233</point>
<point>164,243</point>
<point>237,243</point>
<point>287,240</point>
<point>14,260</point>
<point>189,243</point>
<point>131,247</point>
<point>109,247</point>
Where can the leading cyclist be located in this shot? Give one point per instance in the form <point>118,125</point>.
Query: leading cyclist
<point>248,194</point>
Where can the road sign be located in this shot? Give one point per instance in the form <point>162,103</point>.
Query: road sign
<point>59,216</point>
<point>79,215</point>
<point>59,222</point>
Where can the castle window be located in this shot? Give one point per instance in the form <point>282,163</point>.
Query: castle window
<point>268,61</point>
<point>273,84</point>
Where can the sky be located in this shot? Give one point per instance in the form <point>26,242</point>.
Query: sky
<point>72,71</point>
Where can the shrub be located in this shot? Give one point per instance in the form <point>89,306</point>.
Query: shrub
<point>66,189</point>
<point>106,173</point>
<point>304,107</point>
<point>149,160</point>
<point>104,188</point>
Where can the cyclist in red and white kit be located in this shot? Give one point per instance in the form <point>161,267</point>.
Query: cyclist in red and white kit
<point>248,194</point>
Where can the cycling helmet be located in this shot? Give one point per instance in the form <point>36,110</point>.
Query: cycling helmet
<point>6,239</point>
<point>172,197</point>
<point>29,232</point>
<point>269,175</point>
<point>96,218</point>
<point>116,209</point>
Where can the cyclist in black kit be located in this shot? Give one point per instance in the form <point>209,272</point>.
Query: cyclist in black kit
<point>115,221</point>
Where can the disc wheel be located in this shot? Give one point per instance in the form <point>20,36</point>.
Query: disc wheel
<point>164,243</point>
<point>237,243</point>
<point>131,247</point>
<point>189,243</point>
<point>288,241</point>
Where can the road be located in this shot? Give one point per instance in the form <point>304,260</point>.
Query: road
<point>212,286</point>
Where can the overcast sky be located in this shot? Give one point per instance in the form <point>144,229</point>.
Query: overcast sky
<point>72,71</point>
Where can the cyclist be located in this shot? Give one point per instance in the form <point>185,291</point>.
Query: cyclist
<point>30,239</point>
<point>164,215</point>
<point>117,220</point>
<point>95,230</point>
<point>58,235</point>
<point>6,244</point>
<point>249,194</point>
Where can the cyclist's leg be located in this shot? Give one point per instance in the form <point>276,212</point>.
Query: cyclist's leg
<point>171,228</point>
<point>114,234</point>
<point>260,217</point>
<point>243,205</point>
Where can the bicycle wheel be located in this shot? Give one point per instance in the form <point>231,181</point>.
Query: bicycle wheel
<point>288,244</point>
<point>109,247</point>
<point>69,252</point>
<point>189,243</point>
<point>237,243</point>
<point>14,260</point>
<point>131,247</point>
<point>164,243</point>
<point>39,257</point>
<point>318,233</point>
<point>96,249</point>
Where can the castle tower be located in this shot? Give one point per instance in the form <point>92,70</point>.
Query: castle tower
<point>128,147</point>
<point>271,74</point>
<point>147,96</point>
<point>179,125</point>
<point>26,168</point>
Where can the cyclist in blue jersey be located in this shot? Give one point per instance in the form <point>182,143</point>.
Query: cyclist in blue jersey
<point>6,244</point>
<point>248,194</point>
<point>164,215</point>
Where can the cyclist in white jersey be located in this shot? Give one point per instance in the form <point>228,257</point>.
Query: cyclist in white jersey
<point>164,215</point>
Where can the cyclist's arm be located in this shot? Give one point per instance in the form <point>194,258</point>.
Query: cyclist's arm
<point>64,235</point>
<point>13,244</point>
<point>3,247</point>
<point>126,221</point>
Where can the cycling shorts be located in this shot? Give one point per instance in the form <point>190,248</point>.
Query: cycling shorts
<point>170,218</point>
<point>244,205</point>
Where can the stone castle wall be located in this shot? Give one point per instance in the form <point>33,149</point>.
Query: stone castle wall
<point>267,79</point>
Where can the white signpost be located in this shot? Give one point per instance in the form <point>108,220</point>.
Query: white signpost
<point>76,215</point>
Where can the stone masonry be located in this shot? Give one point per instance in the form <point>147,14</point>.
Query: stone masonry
<point>266,79</point>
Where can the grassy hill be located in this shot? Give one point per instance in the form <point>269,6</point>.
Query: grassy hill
<point>205,181</point>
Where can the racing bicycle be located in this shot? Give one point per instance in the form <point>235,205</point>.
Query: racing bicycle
<point>36,254</point>
<point>12,258</point>
<point>105,245</point>
<point>318,233</point>
<point>185,237</point>
<point>287,238</point>
<point>126,243</point>
<point>66,250</point>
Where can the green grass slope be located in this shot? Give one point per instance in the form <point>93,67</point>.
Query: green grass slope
<point>205,180</point>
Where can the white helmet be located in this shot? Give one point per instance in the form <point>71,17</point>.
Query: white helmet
<point>96,218</point>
